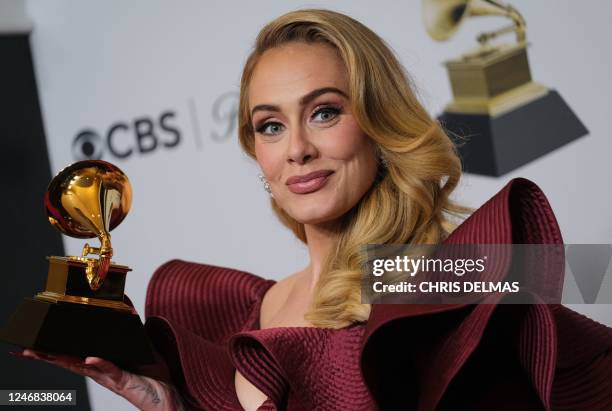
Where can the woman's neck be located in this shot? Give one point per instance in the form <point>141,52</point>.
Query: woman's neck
<point>320,239</point>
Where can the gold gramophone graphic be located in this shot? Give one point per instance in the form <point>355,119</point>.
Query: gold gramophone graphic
<point>510,119</point>
<point>82,310</point>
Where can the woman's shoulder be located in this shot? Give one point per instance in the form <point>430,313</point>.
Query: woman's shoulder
<point>204,280</point>
<point>208,299</point>
<point>208,272</point>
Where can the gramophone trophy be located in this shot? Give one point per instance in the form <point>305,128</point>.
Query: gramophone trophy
<point>82,310</point>
<point>509,119</point>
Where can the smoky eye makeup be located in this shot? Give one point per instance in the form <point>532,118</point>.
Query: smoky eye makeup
<point>260,129</point>
<point>327,109</point>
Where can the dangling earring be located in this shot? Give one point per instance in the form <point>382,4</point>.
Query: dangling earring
<point>382,159</point>
<point>266,184</point>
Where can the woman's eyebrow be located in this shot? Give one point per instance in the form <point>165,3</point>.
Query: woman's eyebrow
<point>303,100</point>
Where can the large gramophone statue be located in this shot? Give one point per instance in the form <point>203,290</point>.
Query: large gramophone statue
<point>508,119</point>
<point>82,310</point>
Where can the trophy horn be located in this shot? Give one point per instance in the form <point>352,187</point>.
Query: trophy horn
<point>88,199</point>
<point>443,18</point>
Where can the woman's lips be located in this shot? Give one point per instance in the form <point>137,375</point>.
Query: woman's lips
<point>309,186</point>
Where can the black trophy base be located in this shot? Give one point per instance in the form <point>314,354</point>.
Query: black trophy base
<point>498,145</point>
<point>80,330</point>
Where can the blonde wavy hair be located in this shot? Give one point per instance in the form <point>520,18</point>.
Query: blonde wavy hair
<point>409,202</point>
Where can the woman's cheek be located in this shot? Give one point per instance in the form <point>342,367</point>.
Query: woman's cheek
<point>270,159</point>
<point>346,140</point>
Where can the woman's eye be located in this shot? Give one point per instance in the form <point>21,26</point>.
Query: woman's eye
<point>326,114</point>
<point>271,128</point>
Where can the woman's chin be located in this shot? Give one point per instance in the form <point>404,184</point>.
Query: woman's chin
<point>316,209</point>
<point>315,216</point>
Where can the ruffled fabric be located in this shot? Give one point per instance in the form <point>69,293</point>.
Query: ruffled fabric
<point>191,312</point>
<point>204,321</point>
<point>304,368</point>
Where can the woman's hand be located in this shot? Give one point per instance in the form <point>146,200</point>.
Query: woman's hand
<point>146,393</point>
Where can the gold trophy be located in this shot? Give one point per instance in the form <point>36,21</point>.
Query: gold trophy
<point>82,310</point>
<point>495,101</point>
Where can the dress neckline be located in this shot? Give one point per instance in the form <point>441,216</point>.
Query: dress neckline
<point>253,325</point>
<point>253,322</point>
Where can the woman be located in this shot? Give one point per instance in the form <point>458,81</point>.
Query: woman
<point>350,157</point>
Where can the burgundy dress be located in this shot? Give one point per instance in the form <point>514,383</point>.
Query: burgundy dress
<point>204,321</point>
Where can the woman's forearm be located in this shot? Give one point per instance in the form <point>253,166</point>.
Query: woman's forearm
<point>152,395</point>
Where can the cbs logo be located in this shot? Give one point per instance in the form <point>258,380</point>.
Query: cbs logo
<point>124,139</point>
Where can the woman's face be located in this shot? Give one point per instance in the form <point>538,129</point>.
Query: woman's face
<point>298,97</point>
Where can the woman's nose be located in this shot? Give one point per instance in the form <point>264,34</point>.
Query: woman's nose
<point>301,149</point>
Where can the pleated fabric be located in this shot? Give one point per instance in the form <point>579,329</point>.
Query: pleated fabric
<point>204,322</point>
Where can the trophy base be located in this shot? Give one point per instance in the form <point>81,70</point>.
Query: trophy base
<point>492,82</point>
<point>80,330</point>
<point>499,144</point>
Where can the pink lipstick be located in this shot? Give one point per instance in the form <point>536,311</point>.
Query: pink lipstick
<point>308,183</point>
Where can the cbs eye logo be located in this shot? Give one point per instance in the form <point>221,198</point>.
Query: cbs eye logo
<point>124,139</point>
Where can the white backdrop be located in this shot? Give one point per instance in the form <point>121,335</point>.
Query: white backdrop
<point>128,64</point>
